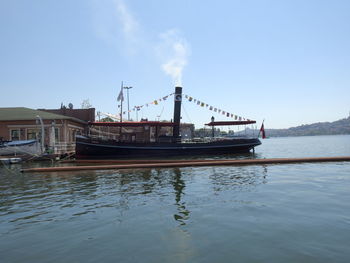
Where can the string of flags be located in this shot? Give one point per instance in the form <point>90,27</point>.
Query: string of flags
<point>215,109</point>
<point>193,100</point>
<point>154,102</point>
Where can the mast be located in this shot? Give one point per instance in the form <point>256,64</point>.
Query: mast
<point>121,103</point>
<point>177,113</point>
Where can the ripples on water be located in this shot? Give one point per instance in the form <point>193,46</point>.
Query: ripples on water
<point>275,213</point>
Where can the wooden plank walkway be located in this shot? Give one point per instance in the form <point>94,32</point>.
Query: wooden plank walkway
<point>135,164</point>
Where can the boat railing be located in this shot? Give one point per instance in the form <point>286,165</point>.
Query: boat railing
<point>104,137</point>
<point>213,139</point>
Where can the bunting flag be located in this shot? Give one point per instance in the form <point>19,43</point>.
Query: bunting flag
<point>154,102</point>
<point>212,108</point>
<point>190,99</point>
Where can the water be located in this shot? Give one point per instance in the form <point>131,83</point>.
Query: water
<point>273,213</point>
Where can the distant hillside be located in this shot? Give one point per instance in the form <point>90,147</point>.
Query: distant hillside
<point>321,128</point>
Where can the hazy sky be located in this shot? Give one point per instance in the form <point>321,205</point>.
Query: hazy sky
<point>287,62</point>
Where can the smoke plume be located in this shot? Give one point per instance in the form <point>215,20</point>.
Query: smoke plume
<point>173,51</point>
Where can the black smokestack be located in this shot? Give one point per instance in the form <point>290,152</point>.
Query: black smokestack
<point>177,112</point>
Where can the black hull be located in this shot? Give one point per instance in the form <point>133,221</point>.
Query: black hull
<point>87,148</point>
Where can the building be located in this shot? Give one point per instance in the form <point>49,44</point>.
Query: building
<point>59,126</point>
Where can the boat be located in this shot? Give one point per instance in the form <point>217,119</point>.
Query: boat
<point>21,147</point>
<point>147,140</point>
<point>10,160</point>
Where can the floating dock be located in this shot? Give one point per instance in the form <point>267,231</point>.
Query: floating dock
<point>137,164</point>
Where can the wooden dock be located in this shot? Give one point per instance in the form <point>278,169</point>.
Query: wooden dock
<point>136,164</point>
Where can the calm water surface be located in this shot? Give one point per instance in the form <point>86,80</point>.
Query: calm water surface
<point>274,213</point>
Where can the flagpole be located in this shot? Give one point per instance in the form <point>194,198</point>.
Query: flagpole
<point>121,105</point>
<point>260,128</point>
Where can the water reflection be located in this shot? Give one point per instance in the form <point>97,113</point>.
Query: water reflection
<point>238,179</point>
<point>248,155</point>
<point>179,186</point>
<point>32,198</point>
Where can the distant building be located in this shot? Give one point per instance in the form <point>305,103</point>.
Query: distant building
<point>60,126</point>
<point>187,130</point>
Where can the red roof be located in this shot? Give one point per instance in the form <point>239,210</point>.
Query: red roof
<point>132,124</point>
<point>223,123</point>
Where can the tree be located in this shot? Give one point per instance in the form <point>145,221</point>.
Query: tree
<point>107,119</point>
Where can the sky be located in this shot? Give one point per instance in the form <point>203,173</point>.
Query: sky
<point>285,62</point>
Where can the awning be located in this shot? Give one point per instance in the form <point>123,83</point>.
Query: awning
<point>133,124</point>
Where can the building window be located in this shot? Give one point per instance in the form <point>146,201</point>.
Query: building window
<point>15,135</point>
<point>74,133</point>
<point>57,134</point>
<point>33,134</point>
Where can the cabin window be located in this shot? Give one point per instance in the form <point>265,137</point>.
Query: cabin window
<point>15,135</point>
<point>152,134</point>
<point>165,131</point>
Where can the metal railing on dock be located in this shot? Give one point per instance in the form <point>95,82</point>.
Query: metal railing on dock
<point>183,163</point>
